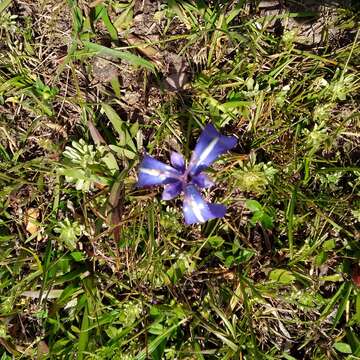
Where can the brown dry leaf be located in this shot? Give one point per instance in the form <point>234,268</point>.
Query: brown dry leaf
<point>356,275</point>
<point>36,294</point>
<point>43,349</point>
<point>96,3</point>
<point>177,73</point>
<point>146,50</point>
<point>95,134</point>
<point>115,203</point>
<point>31,217</point>
<point>9,347</point>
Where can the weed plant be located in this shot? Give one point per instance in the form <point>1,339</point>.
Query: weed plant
<point>92,267</point>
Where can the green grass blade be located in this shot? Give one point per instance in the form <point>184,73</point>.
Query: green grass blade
<point>120,126</point>
<point>4,4</point>
<point>132,59</point>
<point>342,289</point>
<point>158,340</point>
<point>290,221</point>
<point>84,334</point>
<point>342,305</point>
<point>107,22</point>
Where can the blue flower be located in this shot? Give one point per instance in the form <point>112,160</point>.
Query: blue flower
<point>178,178</point>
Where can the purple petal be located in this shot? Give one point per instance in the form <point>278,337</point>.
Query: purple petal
<point>218,210</point>
<point>202,181</point>
<point>177,161</point>
<point>171,190</point>
<point>197,210</point>
<point>210,146</point>
<point>154,172</point>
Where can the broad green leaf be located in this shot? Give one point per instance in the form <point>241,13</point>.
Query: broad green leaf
<point>77,256</point>
<point>111,163</point>
<point>115,84</point>
<point>244,255</point>
<point>342,347</point>
<point>233,104</point>
<point>253,205</point>
<point>216,241</point>
<point>73,172</point>
<point>282,276</point>
<point>266,221</point>
<point>134,129</point>
<point>329,245</point>
<point>234,12</point>
<point>122,152</point>
<point>60,345</point>
<point>156,328</point>
<point>4,4</point>
<point>6,237</point>
<point>353,340</point>
<point>120,126</point>
<point>320,258</point>
<point>229,261</point>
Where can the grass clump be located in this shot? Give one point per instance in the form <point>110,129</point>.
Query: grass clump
<point>92,267</point>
